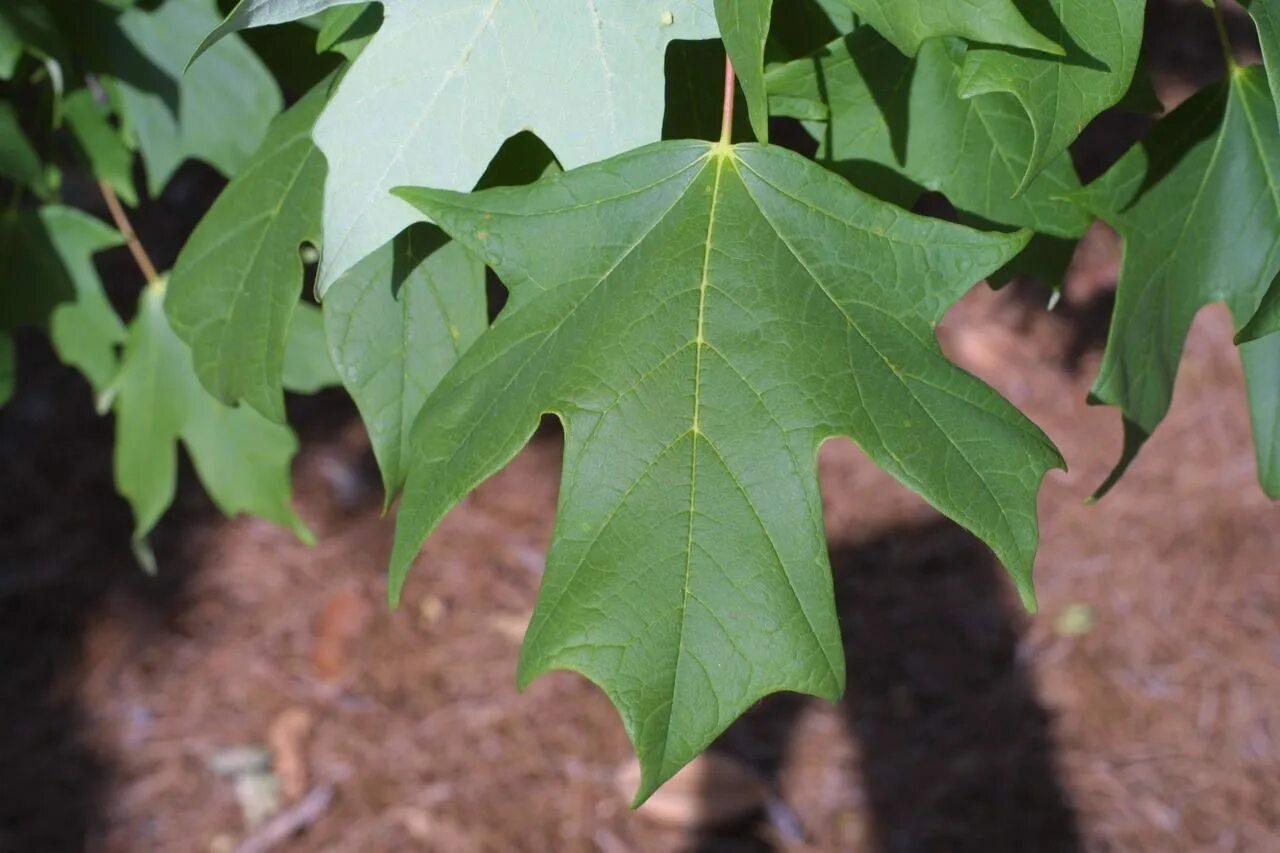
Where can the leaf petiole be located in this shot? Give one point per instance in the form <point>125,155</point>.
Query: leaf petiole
<point>730,90</point>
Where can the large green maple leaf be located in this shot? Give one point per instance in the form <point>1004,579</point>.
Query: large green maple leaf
<point>880,117</point>
<point>909,23</point>
<point>442,86</point>
<point>1063,94</point>
<point>1198,204</point>
<point>702,318</point>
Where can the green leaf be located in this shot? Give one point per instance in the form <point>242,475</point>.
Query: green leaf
<point>108,157</point>
<point>307,367</point>
<point>702,318</point>
<point>85,331</point>
<point>434,96</point>
<point>25,25</point>
<point>262,13</point>
<point>1266,17</point>
<point>1267,319</point>
<point>744,26</point>
<point>1063,94</point>
<point>889,118</point>
<point>18,160</point>
<point>33,276</point>
<point>242,459</point>
<point>1261,360</point>
<point>218,112</point>
<point>237,281</point>
<point>1199,208</point>
<point>396,323</point>
<point>909,23</point>
<point>8,368</point>
<point>347,30</point>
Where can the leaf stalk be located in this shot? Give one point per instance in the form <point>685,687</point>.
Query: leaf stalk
<point>125,227</point>
<point>730,90</point>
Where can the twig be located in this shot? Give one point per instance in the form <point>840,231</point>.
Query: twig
<point>730,90</point>
<point>121,219</point>
<point>289,822</point>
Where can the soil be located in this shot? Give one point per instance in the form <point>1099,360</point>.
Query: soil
<point>1138,711</point>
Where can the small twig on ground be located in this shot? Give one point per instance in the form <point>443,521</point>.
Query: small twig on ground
<point>289,822</point>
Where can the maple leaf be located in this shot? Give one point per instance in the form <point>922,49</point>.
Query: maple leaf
<point>1266,17</point>
<point>1198,205</point>
<point>218,112</point>
<point>702,318</point>
<point>396,323</point>
<point>880,117</point>
<point>1062,94</point>
<point>586,77</point>
<point>236,283</point>
<point>910,23</point>
<point>242,459</point>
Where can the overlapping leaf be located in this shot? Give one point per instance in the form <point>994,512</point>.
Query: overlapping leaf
<point>1266,16</point>
<point>587,78</point>
<point>25,26</point>
<point>909,23</point>
<point>1063,94</point>
<point>217,112</point>
<point>242,459</point>
<point>1199,207</point>
<point>18,160</point>
<point>701,318</point>
<point>236,284</point>
<point>885,118</point>
<point>85,331</point>
<point>396,323</point>
<point>106,154</point>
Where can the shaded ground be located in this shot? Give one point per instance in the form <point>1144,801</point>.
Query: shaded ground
<point>1139,711</point>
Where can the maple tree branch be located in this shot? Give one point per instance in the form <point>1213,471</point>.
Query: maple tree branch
<point>730,90</point>
<point>125,227</point>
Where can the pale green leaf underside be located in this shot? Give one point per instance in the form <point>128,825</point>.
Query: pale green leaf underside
<point>909,23</point>
<point>1063,94</point>
<point>242,459</point>
<point>236,284</point>
<point>882,111</point>
<point>585,75</point>
<point>1199,207</point>
<point>701,319</point>
<point>744,27</point>
<point>396,323</point>
<point>217,112</point>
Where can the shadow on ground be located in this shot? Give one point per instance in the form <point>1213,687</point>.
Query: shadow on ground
<point>956,753</point>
